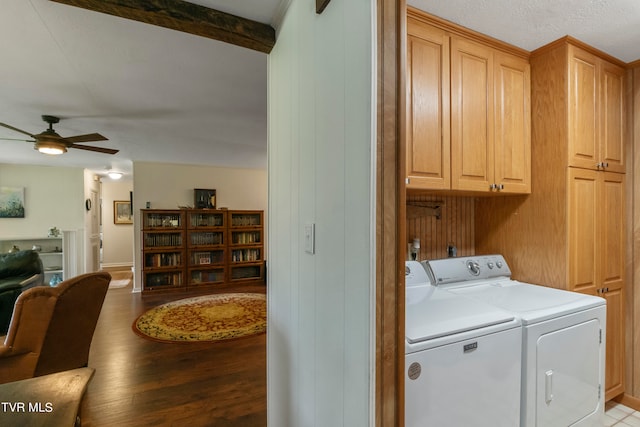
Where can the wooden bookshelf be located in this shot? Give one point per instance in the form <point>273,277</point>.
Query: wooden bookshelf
<point>246,258</point>
<point>163,253</point>
<point>201,248</point>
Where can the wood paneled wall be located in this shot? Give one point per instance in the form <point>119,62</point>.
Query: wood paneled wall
<point>455,226</point>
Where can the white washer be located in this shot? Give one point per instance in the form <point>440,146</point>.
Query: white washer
<point>462,359</point>
<point>563,339</point>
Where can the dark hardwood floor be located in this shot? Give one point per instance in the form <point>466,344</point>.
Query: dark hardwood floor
<point>139,382</point>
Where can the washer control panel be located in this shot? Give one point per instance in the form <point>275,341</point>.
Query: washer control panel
<point>415,274</point>
<point>456,270</point>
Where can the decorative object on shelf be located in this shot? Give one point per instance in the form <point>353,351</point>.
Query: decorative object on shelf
<point>122,212</point>
<point>36,248</point>
<point>11,202</point>
<point>205,318</point>
<point>87,204</point>
<point>53,232</point>
<point>55,279</point>
<point>204,199</point>
<point>14,249</point>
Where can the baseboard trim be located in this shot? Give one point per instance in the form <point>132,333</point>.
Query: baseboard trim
<point>116,266</point>
<point>630,401</point>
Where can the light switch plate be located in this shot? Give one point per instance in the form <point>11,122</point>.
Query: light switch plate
<point>310,238</point>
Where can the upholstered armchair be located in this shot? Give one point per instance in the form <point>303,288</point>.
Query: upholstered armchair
<point>19,271</point>
<point>52,327</point>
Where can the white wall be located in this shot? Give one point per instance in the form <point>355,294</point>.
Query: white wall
<point>167,186</point>
<point>53,197</point>
<point>320,341</point>
<point>117,239</point>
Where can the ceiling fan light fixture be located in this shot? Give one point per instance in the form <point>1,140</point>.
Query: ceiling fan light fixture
<point>52,148</point>
<point>115,175</point>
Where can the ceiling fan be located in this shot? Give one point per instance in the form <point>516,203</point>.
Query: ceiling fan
<point>49,142</point>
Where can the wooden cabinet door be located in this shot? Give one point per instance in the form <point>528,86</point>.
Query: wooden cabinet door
<point>597,256</point>
<point>611,223</point>
<point>471,116</point>
<point>583,109</point>
<point>614,357</point>
<point>583,233</point>
<point>428,123</point>
<point>612,117</point>
<point>611,275</point>
<point>512,142</point>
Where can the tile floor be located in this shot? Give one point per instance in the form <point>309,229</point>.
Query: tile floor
<point>619,415</point>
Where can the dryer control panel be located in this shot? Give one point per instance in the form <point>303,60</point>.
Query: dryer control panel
<point>458,270</point>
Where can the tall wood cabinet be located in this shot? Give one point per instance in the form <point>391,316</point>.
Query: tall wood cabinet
<point>570,232</point>
<point>191,249</point>
<point>468,110</point>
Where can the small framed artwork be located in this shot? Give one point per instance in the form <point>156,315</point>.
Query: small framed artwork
<point>204,199</point>
<point>11,202</point>
<point>122,212</point>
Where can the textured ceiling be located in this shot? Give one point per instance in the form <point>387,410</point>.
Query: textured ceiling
<point>612,26</point>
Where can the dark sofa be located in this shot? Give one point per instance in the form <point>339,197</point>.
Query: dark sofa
<point>19,271</point>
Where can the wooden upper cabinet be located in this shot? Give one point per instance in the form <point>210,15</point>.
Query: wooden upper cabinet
<point>596,112</point>
<point>471,115</point>
<point>428,141</point>
<point>612,113</point>
<point>512,129</point>
<point>468,111</point>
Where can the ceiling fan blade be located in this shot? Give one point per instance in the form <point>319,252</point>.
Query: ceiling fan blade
<point>16,129</point>
<point>16,139</point>
<point>98,149</point>
<point>90,137</point>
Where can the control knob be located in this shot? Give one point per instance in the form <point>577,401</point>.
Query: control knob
<point>473,267</point>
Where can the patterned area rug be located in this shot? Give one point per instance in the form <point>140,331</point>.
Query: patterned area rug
<point>205,318</point>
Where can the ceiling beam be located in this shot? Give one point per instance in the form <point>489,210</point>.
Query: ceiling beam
<point>189,18</point>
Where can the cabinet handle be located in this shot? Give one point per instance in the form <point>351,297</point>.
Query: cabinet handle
<point>598,165</point>
<point>492,187</point>
<point>500,187</point>
<point>605,165</point>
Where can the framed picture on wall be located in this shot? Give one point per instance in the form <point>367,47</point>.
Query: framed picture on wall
<point>204,199</point>
<point>11,202</point>
<point>122,212</point>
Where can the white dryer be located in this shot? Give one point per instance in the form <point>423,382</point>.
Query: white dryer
<point>462,359</point>
<point>563,339</point>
